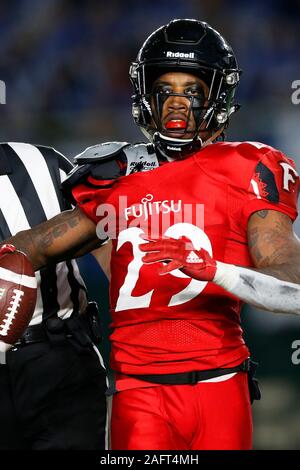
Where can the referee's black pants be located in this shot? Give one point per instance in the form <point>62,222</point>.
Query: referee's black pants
<point>52,397</point>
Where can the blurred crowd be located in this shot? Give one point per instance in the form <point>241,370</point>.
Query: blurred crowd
<point>65,64</point>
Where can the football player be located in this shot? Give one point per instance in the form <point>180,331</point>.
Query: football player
<point>208,227</point>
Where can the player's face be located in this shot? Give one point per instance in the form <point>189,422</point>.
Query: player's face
<point>177,113</point>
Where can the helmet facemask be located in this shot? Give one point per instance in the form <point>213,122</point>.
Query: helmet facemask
<point>207,113</point>
<point>193,47</point>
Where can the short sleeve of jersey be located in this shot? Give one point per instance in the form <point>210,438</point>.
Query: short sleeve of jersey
<point>274,185</point>
<point>91,194</point>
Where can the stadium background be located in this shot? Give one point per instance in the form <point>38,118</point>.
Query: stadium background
<point>65,65</point>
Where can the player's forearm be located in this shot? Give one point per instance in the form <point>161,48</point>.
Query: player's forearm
<point>65,236</point>
<point>26,242</point>
<point>260,289</point>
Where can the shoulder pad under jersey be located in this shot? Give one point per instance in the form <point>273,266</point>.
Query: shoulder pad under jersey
<point>99,161</point>
<point>109,161</point>
<point>140,157</point>
<point>98,152</point>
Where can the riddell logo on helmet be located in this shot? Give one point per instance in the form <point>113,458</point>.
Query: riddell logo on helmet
<point>180,55</point>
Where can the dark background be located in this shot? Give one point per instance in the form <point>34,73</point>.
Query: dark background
<point>65,65</point>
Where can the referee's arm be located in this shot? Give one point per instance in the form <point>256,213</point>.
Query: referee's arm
<point>68,235</point>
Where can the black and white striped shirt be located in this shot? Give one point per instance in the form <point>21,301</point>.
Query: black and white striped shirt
<point>30,179</point>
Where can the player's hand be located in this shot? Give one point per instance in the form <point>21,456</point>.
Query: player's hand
<point>180,254</point>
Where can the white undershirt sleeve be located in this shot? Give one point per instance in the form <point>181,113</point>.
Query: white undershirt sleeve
<point>261,290</point>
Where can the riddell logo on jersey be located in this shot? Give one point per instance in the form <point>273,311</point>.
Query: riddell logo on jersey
<point>141,166</point>
<point>180,55</point>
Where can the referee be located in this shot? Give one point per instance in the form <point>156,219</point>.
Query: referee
<point>52,383</point>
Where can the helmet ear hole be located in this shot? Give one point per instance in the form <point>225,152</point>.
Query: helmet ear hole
<point>222,117</point>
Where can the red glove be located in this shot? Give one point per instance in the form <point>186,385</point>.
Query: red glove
<point>181,254</point>
<point>7,248</point>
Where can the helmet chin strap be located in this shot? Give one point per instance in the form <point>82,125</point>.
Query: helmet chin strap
<point>178,149</point>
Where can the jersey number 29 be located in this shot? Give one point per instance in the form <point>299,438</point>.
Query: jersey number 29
<point>133,235</point>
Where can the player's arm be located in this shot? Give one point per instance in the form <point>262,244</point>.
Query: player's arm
<point>65,236</point>
<point>275,250</point>
<point>98,168</point>
<point>73,233</point>
<point>273,245</point>
<point>274,283</point>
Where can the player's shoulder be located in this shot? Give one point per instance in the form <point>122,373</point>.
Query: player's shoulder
<point>129,153</point>
<point>244,156</point>
<point>100,152</point>
<point>235,163</point>
<point>110,160</point>
<point>247,150</point>
<point>104,163</point>
<point>250,151</point>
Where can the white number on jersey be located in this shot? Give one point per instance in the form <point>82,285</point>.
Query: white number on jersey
<point>133,235</point>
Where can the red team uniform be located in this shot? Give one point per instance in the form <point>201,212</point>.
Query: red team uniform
<point>175,324</point>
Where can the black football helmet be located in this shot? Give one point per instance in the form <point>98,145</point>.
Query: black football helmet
<point>190,46</point>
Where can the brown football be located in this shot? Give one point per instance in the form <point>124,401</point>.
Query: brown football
<point>18,293</point>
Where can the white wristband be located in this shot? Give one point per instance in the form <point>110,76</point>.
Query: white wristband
<point>227,276</point>
<point>259,289</point>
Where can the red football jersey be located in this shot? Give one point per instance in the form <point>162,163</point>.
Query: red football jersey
<point>172,323</point>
